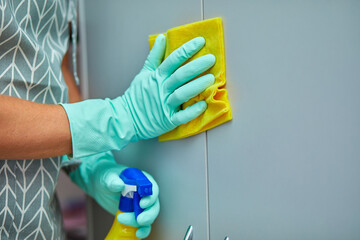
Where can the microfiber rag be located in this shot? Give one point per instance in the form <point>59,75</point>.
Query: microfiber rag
<point>218,110</point>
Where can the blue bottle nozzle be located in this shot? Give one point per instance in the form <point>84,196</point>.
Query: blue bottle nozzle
<point>137,187</point>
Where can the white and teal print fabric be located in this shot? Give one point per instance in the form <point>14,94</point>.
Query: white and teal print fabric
<point>33,40</point>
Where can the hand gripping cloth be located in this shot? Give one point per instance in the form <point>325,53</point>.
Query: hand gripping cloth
<point>218,110</point>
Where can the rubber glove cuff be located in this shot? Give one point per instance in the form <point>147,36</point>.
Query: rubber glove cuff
<point>99,125</point>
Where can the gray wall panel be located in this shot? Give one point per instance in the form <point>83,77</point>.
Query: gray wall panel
<point>117,34</point>
<point>287,166</point>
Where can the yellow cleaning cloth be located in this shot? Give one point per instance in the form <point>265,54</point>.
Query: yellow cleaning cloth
<point>218,110</point>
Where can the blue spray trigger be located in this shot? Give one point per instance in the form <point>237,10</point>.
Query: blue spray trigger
<point>134,177</point>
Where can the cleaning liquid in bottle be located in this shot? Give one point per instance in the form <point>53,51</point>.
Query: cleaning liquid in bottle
<point>137,186</point>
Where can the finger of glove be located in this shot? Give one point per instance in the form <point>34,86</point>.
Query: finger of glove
<point>113,182</point>
<point>128,219</point>
<point>148,216</point>
<point>188,114</point>
<point>189,71</point>
<point>180,55</point>
<point>143,232</point>
<point>148,201</point>
<point>156,54</point>
<point>190,90</point>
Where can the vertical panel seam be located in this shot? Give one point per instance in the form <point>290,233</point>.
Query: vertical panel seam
<point>85,93</point>
<point>207,188</point>
<point>83,53</point>
<point>202,2</point>
<point>202,9</point>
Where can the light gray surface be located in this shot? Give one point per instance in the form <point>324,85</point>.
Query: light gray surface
<point>117,33</point>
<point>287,166</point>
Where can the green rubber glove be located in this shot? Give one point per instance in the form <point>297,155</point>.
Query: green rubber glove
<point>149,107</point>
<point>98,176</point>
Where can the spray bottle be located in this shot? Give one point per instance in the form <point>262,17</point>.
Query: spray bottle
<point>137,186</point>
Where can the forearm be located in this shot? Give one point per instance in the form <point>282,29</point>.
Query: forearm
<point>32,130</point>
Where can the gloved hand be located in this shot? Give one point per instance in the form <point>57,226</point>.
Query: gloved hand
<point>98,176</point>
<point>149,107</point>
